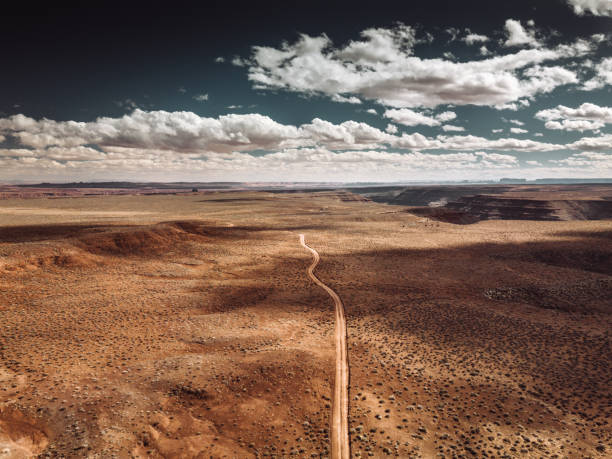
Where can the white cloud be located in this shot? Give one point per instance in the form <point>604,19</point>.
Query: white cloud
<point>381,67</point>
<point>496,160</point>
<point>601,143</point>
<point>586,111</point>
<point>345,100</point>
<point>446,116</point>
<point>451,128</point>
<point>516,130</point>
<point>545,79</point>
<point>201,97</point>
<point>603,75</point>
<point>472,143</point>
<point>238,61</point>
<point>371,111</point>
<point>379,45</point>
<point>166,145</point>
<point>574,125</point>
<point>517,122</point>
<point>586,117</point>
<point>179,131</point>
<point>453,32</point>
<point>472,38</point>
<point>518,36</point>
<point>514,106</point>
<point>596,7</point>
<point>597,161</point>
<point>183,146</point>
<point>484,51</point>
<point>219,60</point>
<point>290,164</point>
<point>391,129</point>
<point>349,134</point>
<point>409,117</point>
<point>497,130</point>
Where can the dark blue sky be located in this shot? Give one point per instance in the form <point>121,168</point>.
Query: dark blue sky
<point>80,63</point>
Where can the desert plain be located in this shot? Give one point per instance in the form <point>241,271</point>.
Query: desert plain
<point>185,325</point>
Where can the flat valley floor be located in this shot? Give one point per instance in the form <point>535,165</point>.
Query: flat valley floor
<point>186,326</point>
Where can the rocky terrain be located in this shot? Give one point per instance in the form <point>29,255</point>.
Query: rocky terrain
<point>469,203</point>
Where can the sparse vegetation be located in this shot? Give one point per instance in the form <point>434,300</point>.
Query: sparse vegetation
<point>160,326</point>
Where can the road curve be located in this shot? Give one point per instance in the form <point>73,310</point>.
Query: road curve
<point>340,447</point>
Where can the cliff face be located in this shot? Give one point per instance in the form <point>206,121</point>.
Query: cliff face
<point>470,209</point>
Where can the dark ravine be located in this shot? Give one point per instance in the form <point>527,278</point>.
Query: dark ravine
<point>470,204</point>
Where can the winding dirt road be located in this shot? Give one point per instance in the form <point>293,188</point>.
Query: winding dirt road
<point>339,427</point>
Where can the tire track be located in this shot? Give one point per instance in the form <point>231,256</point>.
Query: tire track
<point>340,447</point>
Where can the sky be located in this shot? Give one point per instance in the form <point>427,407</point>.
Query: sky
<point>317,91</point>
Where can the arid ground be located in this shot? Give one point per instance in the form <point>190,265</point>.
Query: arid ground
<point>186,326</point>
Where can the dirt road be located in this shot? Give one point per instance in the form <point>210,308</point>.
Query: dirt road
<point>339,426</point>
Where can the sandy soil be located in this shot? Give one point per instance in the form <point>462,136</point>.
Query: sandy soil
<point>185,326</point>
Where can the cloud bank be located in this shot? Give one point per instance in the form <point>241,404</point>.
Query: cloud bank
<point>181,145</point>
<point>382,67</point>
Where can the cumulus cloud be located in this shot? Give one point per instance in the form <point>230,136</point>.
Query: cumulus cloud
<point>472,143</point>
<point>596,7</point>
<point>484,51</point>
<point>238,61</point>
<point>586,117</point>
<point>451,128</point>
<point>446,116</point>
<point>601,143</point>
<point>345,100</point>
<point>588,159</point>
<point>473,38</point>
<point>349,134</point>
<point>371,111</point>
<point>518,35</point>
<point>574,125</point>
<point>380,45</point>
<point>409,117</point>
<point>201,97</point>
<point>391,129</point>
<point>603,75</point>
<point>545,79</point>
<point>179,131</point>
<point>167,145</point>
<point>516,130</point>
<point>186,133</point>
<point>495,160</point>
<point>382,67</point>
